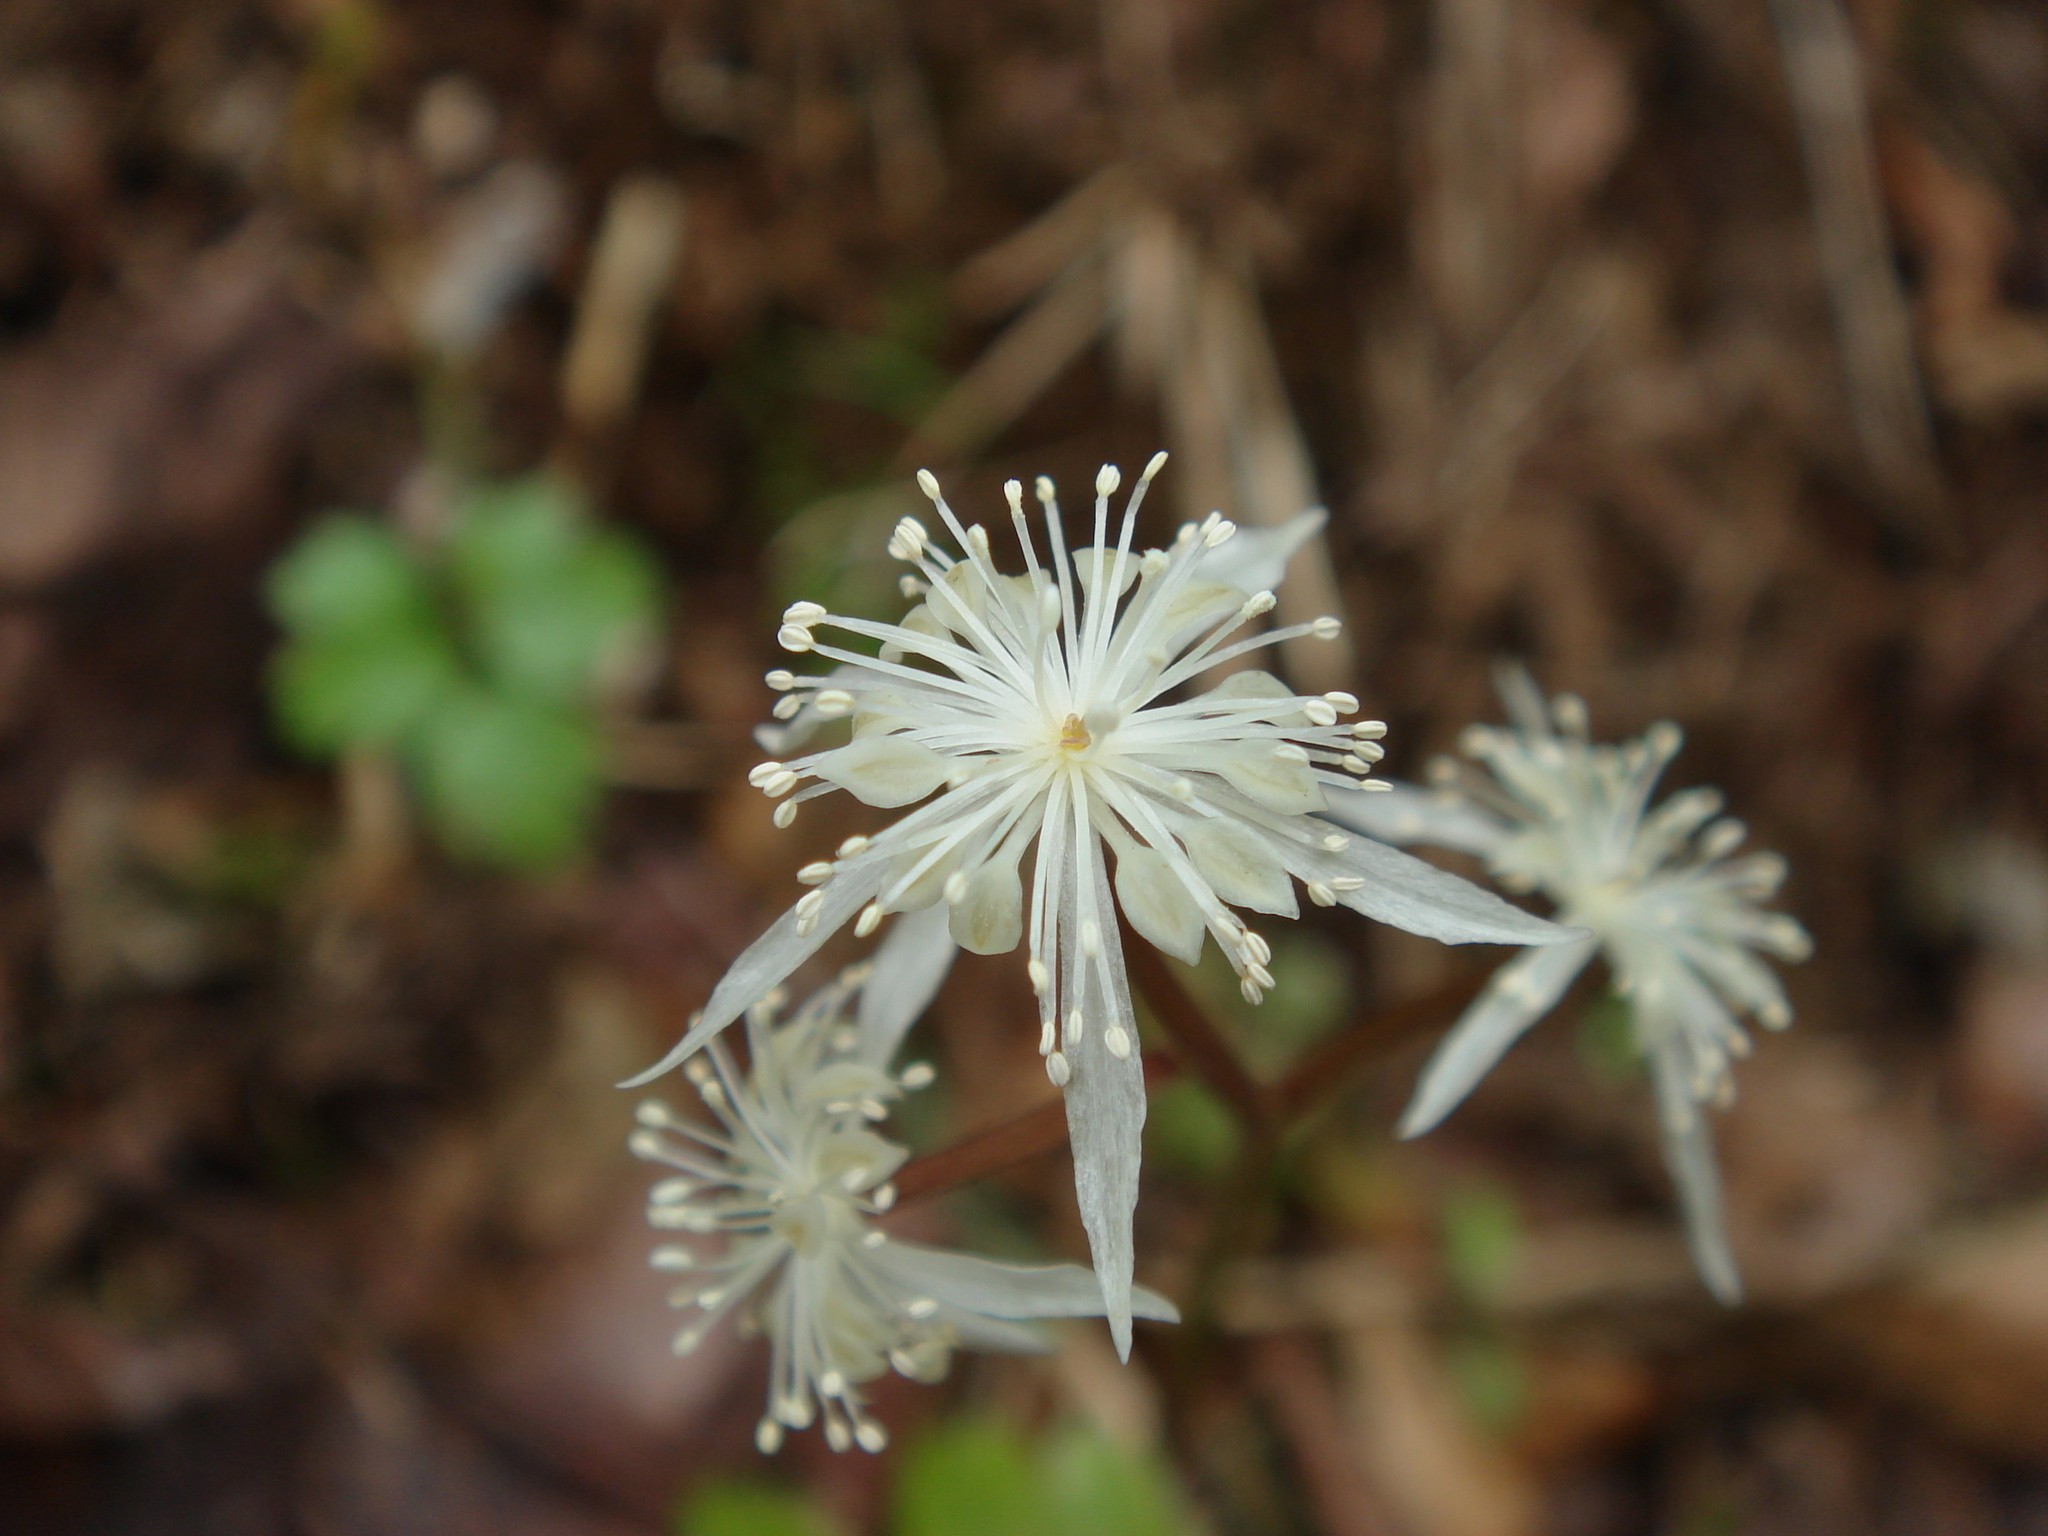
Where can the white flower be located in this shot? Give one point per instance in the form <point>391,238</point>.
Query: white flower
<point>1046,710</point>
<point>1662,892</point>
<point>775,1210</point>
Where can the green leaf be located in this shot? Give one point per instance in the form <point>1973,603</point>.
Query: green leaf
<point>366,690</point>
<point>753,1509</point>
<point>973,1478</point>
<point>552,634</point>
<point>508,781</point>
<point>1189,1129</point>
<point>514,534</point>
<point>349,576</point>
<point>1098,1485</point>
<point>1482,1232</point>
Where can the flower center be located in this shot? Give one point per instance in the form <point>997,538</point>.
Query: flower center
<point>1074,735</point>
<point>804,1223</point>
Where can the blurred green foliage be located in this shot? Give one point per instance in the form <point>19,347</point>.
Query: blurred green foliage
<point>1313,997</point>
<point>982,1477</point>
<point>1606,1042</point>
<point>754,1509</point>
<point>479,664</point>
<point>1490,1378</point>
<point>1482,1238</point>
<point>1190,1131</point>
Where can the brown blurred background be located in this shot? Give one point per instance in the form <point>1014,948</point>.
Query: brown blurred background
<point>1694,350</point>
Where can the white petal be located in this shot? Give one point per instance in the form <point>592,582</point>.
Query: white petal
<point>1521,992</point>
<point>926,889</point>
<point>995,1289</point>
<point>1196,606</point>
<point>1255,559</point>
<point>989,918</point>
<point>964,583</point>
<point>1240,866</point>
<point>909,967</point>
<point>918,621</point>
<point>995,1335</point>
<point>1406,813</point>
<point>1402,890</point>
<point>1084,570</point>
<point>1689,1153</point>
<point>1158,904</point>
<point>1258,685</point>
<point>767,962</point>
<point>1280,783</point>
<point>1105,1110</point>
<point>1528,711</point>
<point>884,771</point>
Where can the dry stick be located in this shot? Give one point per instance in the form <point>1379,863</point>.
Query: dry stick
<point>1198,1046</point>
<point>1037,1130</point>
<point>1289,1374</point>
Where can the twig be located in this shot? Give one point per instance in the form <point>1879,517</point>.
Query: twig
<point>1872,318</point>
<point>1328,1069</point>
<point>1289,1375</point>
<point>1038,1129</point>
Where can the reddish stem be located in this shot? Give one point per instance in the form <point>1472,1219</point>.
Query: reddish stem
<point>1038,1129</point>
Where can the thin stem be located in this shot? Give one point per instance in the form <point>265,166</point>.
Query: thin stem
<point>1037,1130</point>
<point>1327,1070</point>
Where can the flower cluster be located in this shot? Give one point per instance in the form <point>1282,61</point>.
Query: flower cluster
<point>1662,893</point>
<point>1050,717</point>
<point>773,1208</point>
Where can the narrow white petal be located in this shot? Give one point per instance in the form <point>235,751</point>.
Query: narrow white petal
<point>1527,709</point>
<point>1521,992</point>
<point>909,967</point>
<point>1105,1112</point>
<point>767,962</point>
<point>1404,814</point>
<point>1255,559</point>
<point>996,1289</point>
<point>1689,1153</point>
<point>1159,905</point>
<point>884,771</point>
<point>1402,890</point>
